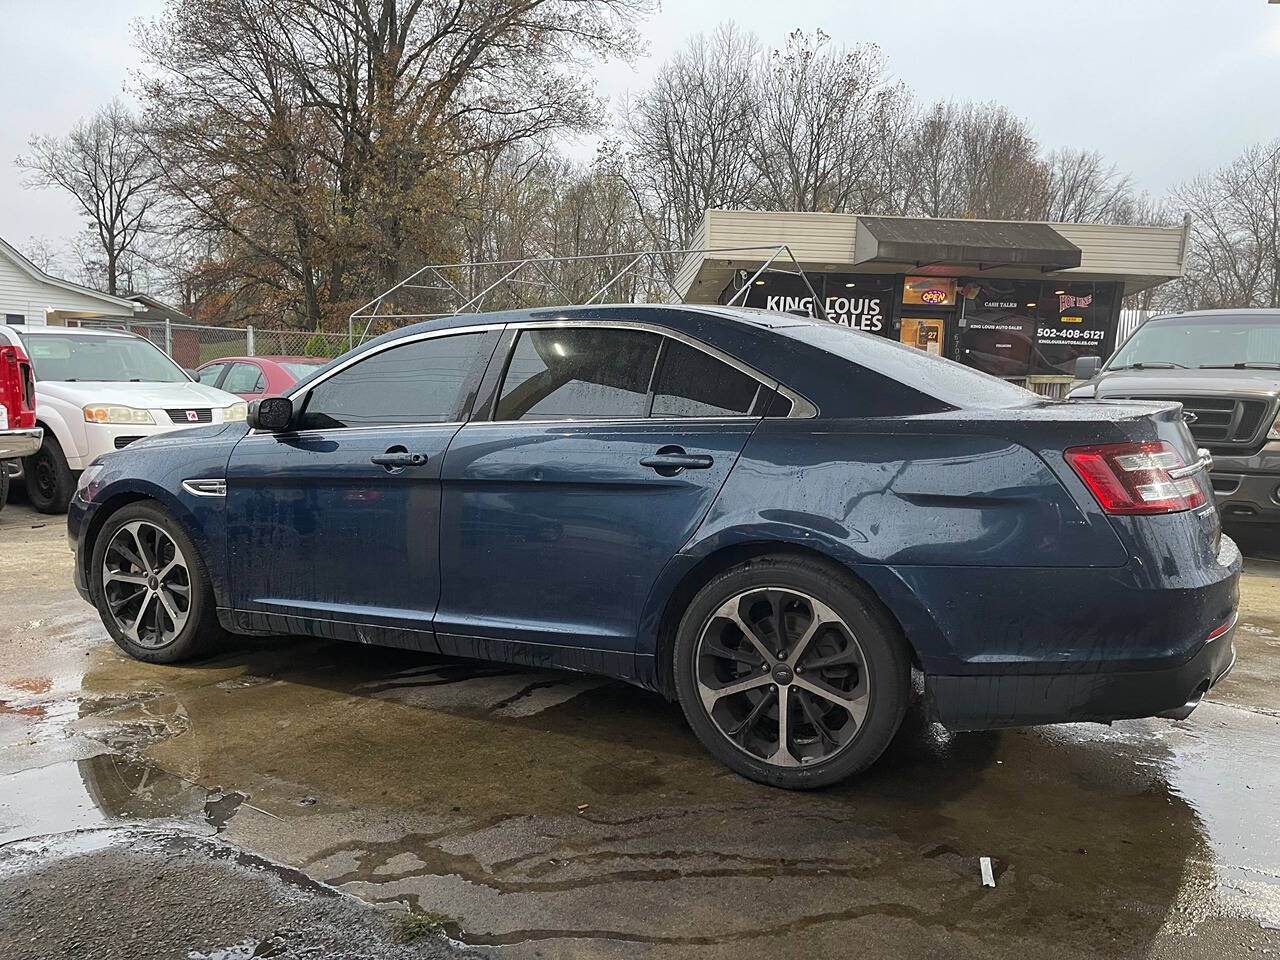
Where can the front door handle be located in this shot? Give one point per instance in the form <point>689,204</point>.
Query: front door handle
<point>398,458</point>
<point>669,461</point>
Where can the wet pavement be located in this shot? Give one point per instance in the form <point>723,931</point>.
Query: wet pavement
<point>540,814</point>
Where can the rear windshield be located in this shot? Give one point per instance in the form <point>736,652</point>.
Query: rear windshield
<point>1202,343</point>
<point>952,383</point>
<point>69,357</point>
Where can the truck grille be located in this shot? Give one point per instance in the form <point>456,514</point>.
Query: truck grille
<point>179,415</point>
<point>1223,422</point>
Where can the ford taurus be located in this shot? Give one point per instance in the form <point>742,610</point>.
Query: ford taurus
<point>778,522</point>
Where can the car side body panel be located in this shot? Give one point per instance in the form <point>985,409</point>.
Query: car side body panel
<point>369,534</point>
<point>524,498</point>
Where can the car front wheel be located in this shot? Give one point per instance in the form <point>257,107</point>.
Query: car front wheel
<point>151,587</point>
<point>790,672</point>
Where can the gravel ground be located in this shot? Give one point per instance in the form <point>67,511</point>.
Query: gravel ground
<point>138,895</point>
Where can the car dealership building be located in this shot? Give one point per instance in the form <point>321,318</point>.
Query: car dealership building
<point>1017,299</point>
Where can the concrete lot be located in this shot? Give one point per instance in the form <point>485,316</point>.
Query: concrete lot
<point>550,815</point>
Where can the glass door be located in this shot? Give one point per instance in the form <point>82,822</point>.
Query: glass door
<point>925,331</point>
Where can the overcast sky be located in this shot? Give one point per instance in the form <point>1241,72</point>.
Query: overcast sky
<point>1164,88</point>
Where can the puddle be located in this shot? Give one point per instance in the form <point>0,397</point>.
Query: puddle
<point>104,791</point>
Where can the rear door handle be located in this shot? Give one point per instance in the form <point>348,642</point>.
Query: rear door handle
<point>400,459</point>
<point>670,460</point>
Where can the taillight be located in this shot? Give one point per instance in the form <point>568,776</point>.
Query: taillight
<point>1131,478</point>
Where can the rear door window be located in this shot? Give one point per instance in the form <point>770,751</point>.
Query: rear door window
<point>424,381</point>
<point>691,383</point>
<point>578,373</point>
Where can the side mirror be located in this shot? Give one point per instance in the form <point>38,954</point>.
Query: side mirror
<point>1087,367</point>
<point>274,414</point>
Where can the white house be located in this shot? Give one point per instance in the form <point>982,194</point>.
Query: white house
<point>29,295</point>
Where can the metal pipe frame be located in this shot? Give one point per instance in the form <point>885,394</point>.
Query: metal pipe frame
<point>543,267</point>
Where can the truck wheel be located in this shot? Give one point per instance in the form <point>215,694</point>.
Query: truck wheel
<point>4,484</point>
<point>151,587</point>
<point>791,672</point>
<point>50,482</point>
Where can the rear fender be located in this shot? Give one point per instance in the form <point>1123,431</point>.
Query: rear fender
<point>689,570</point>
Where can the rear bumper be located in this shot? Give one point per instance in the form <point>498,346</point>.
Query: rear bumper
<point>1010,700</point>
<point>20,443</point>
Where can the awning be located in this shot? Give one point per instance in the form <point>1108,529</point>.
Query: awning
<point>976,244</point>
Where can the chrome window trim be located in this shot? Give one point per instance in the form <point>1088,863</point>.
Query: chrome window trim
<point>206,487</point>
<point>360,428</point>
<point>801,409</point>
<point>391,344</point>
<point>667,422</point>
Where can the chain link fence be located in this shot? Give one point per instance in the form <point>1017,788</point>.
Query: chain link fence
<point>191,344</point>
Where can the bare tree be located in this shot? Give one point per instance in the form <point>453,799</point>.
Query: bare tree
<point>104,166</point>
<point>43,253</point>
<point>974,160</point>
<point>1001,176</point>
<point>814,136</point>
<point>689,135</point>
<point>932,162</point>
<point>1084,188</point>
<point>1234,258</point>
<point>319,142</point>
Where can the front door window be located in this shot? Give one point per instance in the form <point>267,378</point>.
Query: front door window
<point>419,382</point>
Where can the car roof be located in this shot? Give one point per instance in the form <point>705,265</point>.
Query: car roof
<point>655,312</point>
<point>41,329</point>
<point>1241,313</point>
<point>818,359</point>
<point>273,358</point>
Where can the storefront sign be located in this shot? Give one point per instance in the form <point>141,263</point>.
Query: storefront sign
<point>929,291</point>
<point>851,300</point>
<point>861,313</point>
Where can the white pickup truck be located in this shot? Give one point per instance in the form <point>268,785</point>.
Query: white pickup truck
<point>100,390</point>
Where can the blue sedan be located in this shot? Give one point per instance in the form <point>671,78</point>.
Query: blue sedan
<point>777,522</point>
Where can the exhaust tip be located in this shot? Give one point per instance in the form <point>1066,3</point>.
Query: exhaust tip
<point>1184,711</point>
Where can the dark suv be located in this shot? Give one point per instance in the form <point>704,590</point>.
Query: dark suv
<point>1224,367</point>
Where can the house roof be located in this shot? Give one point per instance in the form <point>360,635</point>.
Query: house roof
<point>157,309</point>
<point>730,241</point>
<point>26,266</point>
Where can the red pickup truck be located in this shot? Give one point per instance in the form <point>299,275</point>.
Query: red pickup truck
<point>19,435</point>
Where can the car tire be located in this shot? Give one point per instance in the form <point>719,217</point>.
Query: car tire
<point>845,684</point>
<point>50,482</point>
<point>151,587</point>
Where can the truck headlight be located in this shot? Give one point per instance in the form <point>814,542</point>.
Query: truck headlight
<point>1274,432</point>
<point>101,413</point>
<point>237,411</point>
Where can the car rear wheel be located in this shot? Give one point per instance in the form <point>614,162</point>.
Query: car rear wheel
<point>151,587</point>
<point>50,482</point>
<point>790,672</point>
